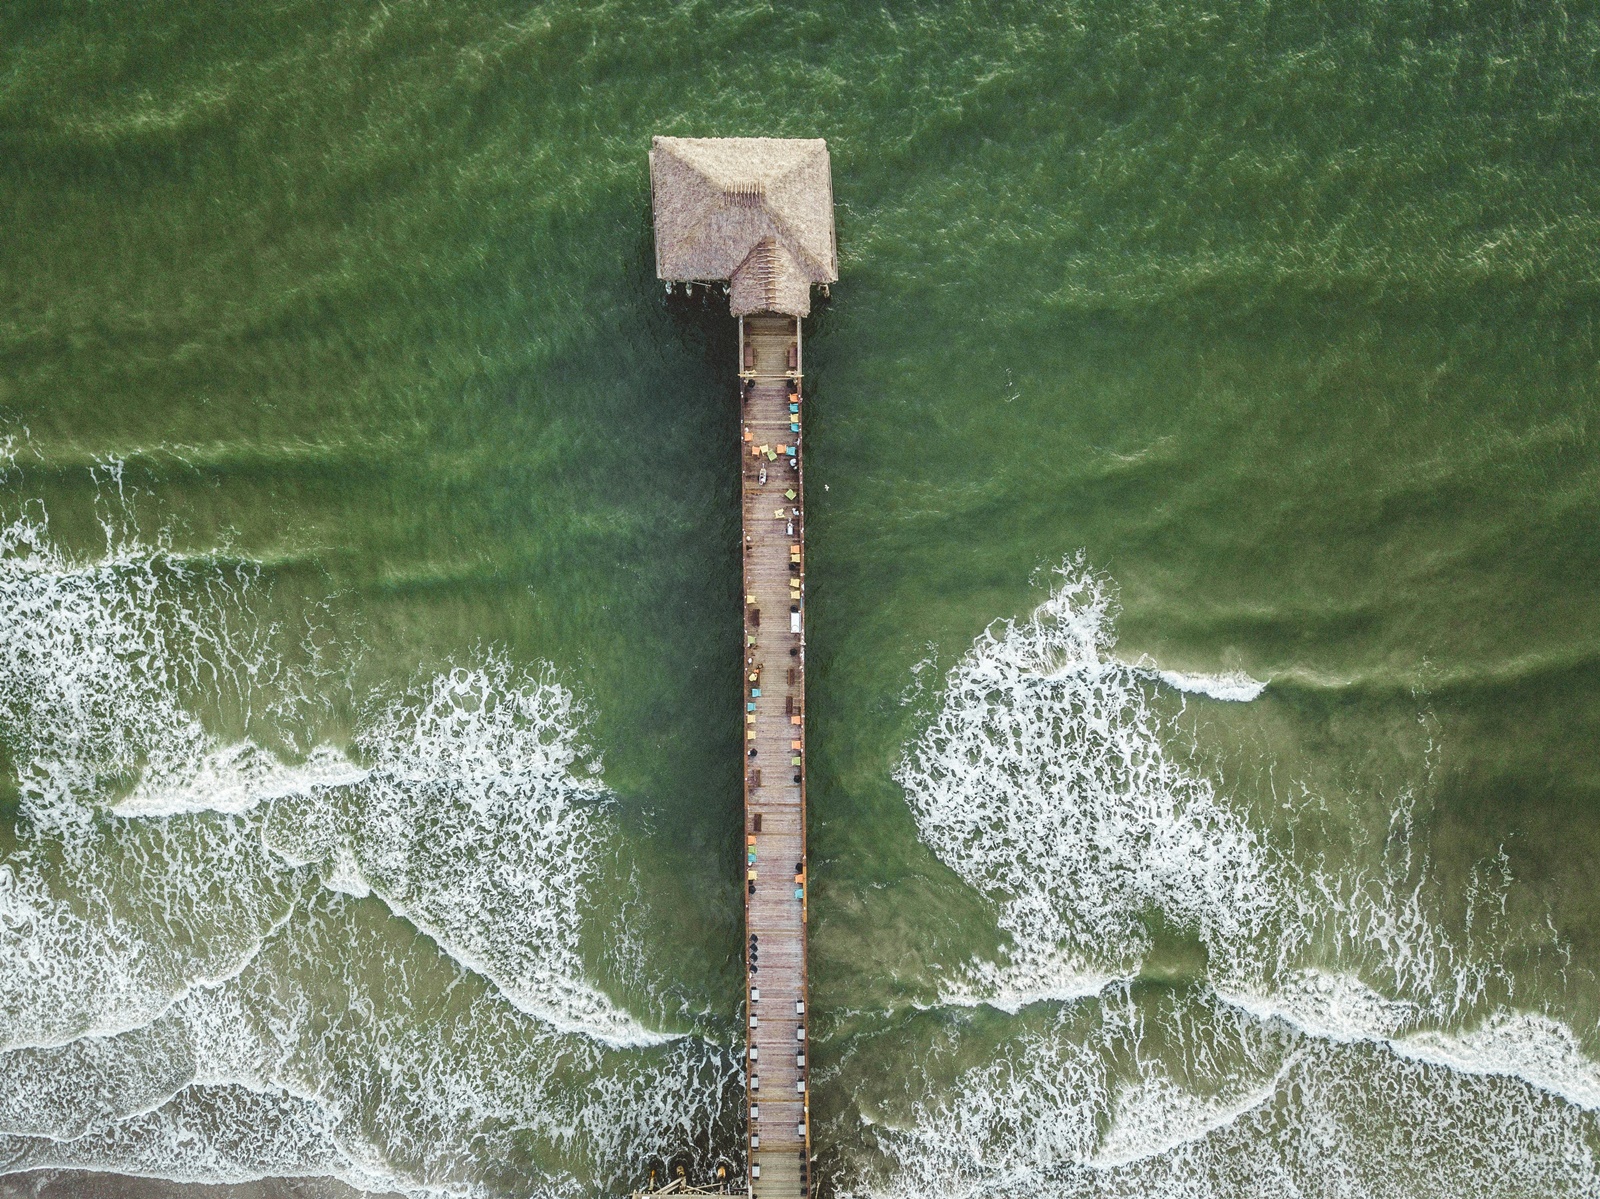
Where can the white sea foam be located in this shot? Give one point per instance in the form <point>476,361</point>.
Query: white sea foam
<point>170,890</point>
<point>1535,1048</point>
<point>479,822</point>
<point>383,1090</point>
<point>236,778</point>
<point>97,657</point>
<point>1053,979</point>
<point>1043,779</point>
<point>1079,1110</point>
<point>1233,686</point>
<point>209,1134</point>
<point>1034,1104</point>
<point>91,666</point>
<point>475,815</point>
<point>75,962</point>
<point>1155,1115</point>
<point>64,1092</point>
<point>1336,1007</point>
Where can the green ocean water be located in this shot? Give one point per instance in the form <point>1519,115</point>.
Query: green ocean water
<point>369,597</point>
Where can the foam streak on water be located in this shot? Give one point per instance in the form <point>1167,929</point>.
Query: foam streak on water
<point>1186,1097</point>
<point>1234,685</point>
<point>190,982</point>
<point>472,823</point>
<point>1043,782</point>
<point>1044,779</point>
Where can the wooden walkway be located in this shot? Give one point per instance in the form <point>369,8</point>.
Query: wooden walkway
<point>773,499</point>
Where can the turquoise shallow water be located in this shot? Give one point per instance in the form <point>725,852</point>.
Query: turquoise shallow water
<point>369,596</point>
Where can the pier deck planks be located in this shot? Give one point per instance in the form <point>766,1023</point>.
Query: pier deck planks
<point>780,1134</point>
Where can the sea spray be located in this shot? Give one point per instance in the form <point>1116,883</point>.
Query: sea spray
<point>1045,779</point>
<point>1048,779</point>
<point>479,819</point>
<point>197,1046</point>
<point>1139,1092</point>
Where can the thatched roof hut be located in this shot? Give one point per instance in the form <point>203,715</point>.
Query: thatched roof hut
<point>756,211</point>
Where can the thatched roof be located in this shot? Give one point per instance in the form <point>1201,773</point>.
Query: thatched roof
<point>757,211</point>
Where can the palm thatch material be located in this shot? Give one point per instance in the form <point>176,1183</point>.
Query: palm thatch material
<point>756,211</point>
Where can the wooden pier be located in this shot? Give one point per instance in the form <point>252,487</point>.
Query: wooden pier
<point>773,498</point>
<point>757,213</point>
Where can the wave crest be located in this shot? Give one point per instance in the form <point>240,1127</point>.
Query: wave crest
<point>1043,781</point>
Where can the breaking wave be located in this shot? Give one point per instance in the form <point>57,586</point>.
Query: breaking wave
<point>474,823</point>
<point>1044,782</point>
<point>1044,779</point>
<point>1191,1098</point>
<point>186,990</point>
<point>429,1091</point>
<point>1233,686</point>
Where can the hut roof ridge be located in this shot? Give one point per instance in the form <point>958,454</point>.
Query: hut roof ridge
<point>717,199</point>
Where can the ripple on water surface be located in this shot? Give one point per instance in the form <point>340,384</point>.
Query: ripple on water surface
<point>223,965</point>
